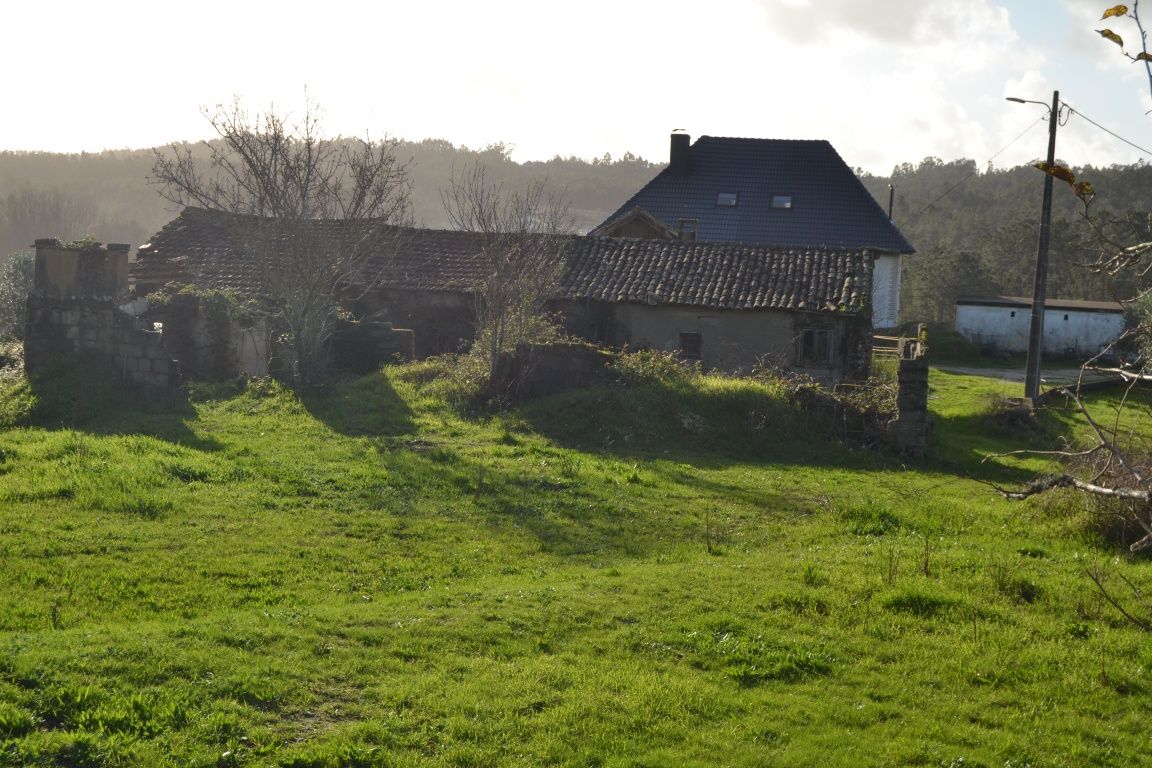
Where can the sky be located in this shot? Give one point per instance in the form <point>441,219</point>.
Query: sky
<point>886,82</point>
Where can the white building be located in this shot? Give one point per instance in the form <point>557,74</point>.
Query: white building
<point>1073,328</point>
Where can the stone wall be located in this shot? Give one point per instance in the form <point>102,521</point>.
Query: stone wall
<point>731,340</point>
<point>363,347</point>
<point>909,431</point>
<point>441,321</point>
<point>74,308</point>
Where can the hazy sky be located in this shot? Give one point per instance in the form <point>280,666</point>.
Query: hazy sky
<point>885,81</point>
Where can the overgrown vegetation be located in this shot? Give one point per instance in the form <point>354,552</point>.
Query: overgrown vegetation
<point>15,286</point>
<point>673,571</point>
<point>199,325</point>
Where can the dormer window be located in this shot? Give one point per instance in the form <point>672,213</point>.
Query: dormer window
<point>782,201</point>
<point>727,199</point>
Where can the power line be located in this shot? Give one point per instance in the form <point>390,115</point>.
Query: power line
<point>1107,131</point>
<point>975,171</point>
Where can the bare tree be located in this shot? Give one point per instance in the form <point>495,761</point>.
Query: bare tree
<point>292,193</point>
<point>521,236</point>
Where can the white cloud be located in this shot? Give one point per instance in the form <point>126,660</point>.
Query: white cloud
<point>885,83</point>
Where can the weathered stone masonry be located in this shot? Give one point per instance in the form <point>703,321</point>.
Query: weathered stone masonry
<point>909,431</point>
<point>74,308</point>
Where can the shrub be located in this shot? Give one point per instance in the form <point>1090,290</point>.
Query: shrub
<point>653,367</point>
<point>15,285</point>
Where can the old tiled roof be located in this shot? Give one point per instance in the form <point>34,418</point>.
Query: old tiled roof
<point>830,206</point>
<point>717,275</point>
<point>199,248</point>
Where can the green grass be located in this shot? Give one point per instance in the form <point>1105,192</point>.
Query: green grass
<point>673,575</point>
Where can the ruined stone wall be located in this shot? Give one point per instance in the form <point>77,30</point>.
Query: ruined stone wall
<point>74,308</point>
<point>909,431</point>
<point>365,346</point>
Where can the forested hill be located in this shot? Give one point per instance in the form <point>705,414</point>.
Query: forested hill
<point>107,194</point>
<point>975,230</point>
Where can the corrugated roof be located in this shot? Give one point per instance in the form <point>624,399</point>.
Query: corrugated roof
<point>830,207</point>
<point>201,248</point>
<point>1026,302</point>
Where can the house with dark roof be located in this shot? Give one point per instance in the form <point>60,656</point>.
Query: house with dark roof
<point>729,305</point>
<point>769,192</point>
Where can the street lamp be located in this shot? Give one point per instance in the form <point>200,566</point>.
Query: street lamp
<point>1040,287</point>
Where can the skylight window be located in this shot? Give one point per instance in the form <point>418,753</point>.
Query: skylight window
<point>781,201</point>
<point>727,199</point>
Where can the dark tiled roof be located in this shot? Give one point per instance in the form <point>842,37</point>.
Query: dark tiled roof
<point>199,247</point>
<point>830,206</point>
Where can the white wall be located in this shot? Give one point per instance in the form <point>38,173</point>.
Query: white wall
<point>1006,328</point>
<point>886,291</point>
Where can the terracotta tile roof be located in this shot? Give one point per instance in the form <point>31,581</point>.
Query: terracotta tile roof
<point>200,247</point>
<point>829,206</point>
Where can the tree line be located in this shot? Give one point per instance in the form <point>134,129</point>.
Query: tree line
<point>976,230</point>
<point>107,195</point>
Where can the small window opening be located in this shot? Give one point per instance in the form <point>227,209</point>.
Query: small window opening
<point>815,346</point>
<point>781,201</point>
<point>727,199</point>
<point>1013,314</point>
<point>1065,317</point>
<point>687,229</point>
<point>691,345</point>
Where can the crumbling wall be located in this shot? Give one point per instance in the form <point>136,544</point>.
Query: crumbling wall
<point>74,308</point>
<point>362,347</point>
<point>909,431</point>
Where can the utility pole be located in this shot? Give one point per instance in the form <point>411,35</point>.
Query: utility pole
<point>1040,287</point>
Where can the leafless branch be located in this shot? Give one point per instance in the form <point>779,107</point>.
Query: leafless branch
<point>521,236</point>
<point>284,184</point>
<point>1045,484</point>
<point>1098,580</point>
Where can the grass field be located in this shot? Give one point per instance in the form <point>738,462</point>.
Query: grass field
<point>678,574</point>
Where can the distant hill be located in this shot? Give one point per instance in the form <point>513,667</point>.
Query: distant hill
<point>107,194</point>
<point>976,230</point>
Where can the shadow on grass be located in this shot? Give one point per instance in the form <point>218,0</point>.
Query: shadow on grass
<point>84,395</point>
<point>363,406</point>
<point>970,445</point>
<point>977,442</point>
<point>697,426</point>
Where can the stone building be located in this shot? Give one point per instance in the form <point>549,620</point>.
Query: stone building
<point>784,193</point>
<point>728,305</point>
<point>74,308</point>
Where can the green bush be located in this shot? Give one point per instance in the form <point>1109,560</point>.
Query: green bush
<point>651,366</point>
<point>15,285</point>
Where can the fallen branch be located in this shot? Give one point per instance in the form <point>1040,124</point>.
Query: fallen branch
<point>1045,484</point>
<point>1144,625</point>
